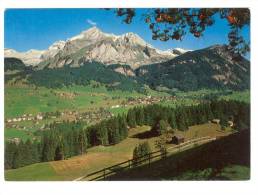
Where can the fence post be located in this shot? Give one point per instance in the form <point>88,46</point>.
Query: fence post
<point>149,159</point>
<point>104,174</point>
<point>129,164</point>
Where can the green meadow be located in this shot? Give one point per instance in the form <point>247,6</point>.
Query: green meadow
<point>34,172</point>
<point>10,133</point>
<point>21,100</point>
<point>27,100</point>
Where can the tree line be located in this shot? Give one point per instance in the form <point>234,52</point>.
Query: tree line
<point>68,139</point>
<point>67,76</point>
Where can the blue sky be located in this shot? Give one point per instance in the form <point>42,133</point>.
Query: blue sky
<point>39,28</point>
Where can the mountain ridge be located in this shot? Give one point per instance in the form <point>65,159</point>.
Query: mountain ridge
<point>211,67</point>
<point>30,57</point>
<point>208,68</point>
<point>95,45</point>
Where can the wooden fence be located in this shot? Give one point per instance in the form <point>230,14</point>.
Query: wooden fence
<point>143,160</point>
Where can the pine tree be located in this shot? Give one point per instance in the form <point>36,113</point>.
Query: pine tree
<point>17,159</point>
<point>181,119</point>
<point>59,153</point>
<point>140,152</point>
<point>131,118</point>
<point>139,116</point>
<point>10,150</point>
<point>160,127</point>
<point>49,146</point>
<point>223,122</point>
<point>102,134</point>
<point>27,152</point>
<point>82,142</point>
<point>35,152</point>
<point>172,120</point>
<point>113,131</point>
<point>123,131</point>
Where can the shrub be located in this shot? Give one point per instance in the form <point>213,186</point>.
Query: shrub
<point>140,152</point>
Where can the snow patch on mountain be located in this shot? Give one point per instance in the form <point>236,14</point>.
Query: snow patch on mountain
<point>95,45</point>
<point>30,57</point>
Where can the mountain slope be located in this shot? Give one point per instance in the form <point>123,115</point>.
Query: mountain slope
<point>95,45</point>
<point>227,158</point>
<point>31,57</point>
<point>52,50</point>
<point>68,76</point>
<point>206,68</point>
<point>211,67</point>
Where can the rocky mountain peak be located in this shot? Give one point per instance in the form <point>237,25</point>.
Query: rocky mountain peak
<point>179,51</point>
<point>132,38</point>
<point>90,34</point>
<point>95,45</point>
<point>92,29</point>
<point>53,50</point>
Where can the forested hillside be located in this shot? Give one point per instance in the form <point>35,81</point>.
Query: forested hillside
<point>67,76</point>
<point>208,68</point>
<point>13,64</point>
<point>211,68</point>
<point>73,138</point>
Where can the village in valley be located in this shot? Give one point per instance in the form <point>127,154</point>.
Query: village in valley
<point>40,121</point>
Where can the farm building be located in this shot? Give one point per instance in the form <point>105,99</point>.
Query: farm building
<point>231,123</point>
<point>216,121</point>
<point>177,139</point>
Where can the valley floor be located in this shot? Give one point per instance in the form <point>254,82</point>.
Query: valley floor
<point>86,102</point>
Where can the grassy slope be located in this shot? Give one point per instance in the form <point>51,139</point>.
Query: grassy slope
<point>98,157</point>
<point>34,172</point>
<point>25,99</point>
<point>240,96</point>
<point>14,133</point>
<point>225,159</point>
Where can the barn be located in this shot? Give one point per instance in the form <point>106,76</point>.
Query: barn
<point>177,139</point>
<point>216,121</point>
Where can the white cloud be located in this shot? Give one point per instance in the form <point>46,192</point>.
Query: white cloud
<point>91,22</point>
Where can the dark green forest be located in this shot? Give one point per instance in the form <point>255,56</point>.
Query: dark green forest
<point>13,64</point>
<point>67,76</point>
<point>195,70</point>
<point>188,72</point>
<point>68,139</point>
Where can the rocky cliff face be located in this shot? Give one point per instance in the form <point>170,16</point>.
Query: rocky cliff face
<point>52,50</point>
<point>95,45</point>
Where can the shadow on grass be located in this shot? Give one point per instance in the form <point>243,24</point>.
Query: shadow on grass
<point>145,135</point>
<point>205,162</point>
